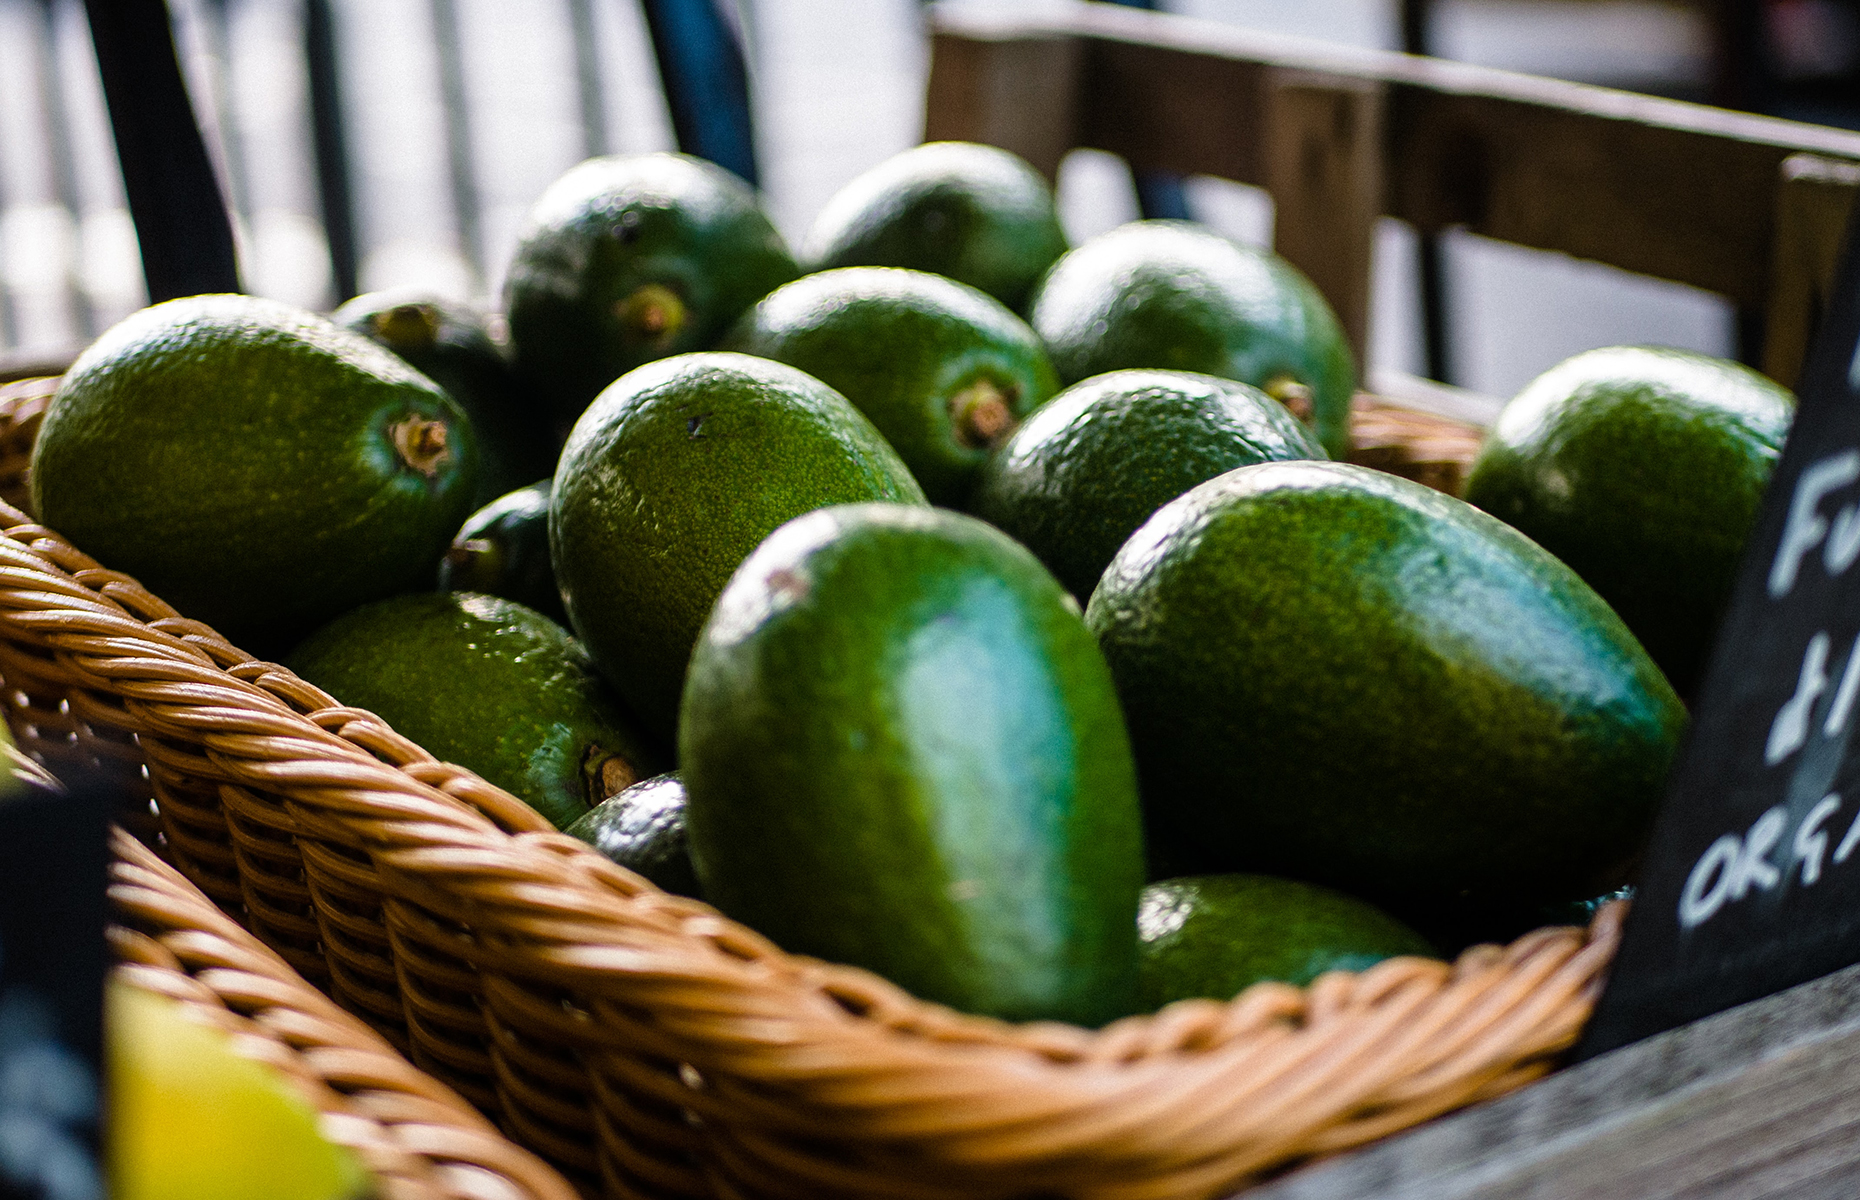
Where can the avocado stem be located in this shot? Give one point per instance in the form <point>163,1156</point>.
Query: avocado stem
<point>1293,395</point>
<point>408,326</point>
<point>605,775</point>
<point>421,444</point>
<point>983,414</point>
<point>651,313</point>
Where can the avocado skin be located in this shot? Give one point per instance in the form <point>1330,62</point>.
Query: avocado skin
<point>976,214</point>
<point>1178,296</point>
<point>612,226</point>
<point>671,478</point>
<point>643,830</point>
<point>899,345</point>
<point>1643,468</point>
<point>503,550</point>
<point>1339,675</point>
<point>485,683</point>
<point>903,752</point>
<point>462,357</point>
<point>1214,936</point>
<point>234,454</point>
<point>1077,479</point>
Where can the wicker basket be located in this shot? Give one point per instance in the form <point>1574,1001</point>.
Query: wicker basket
<point>419,1140</point>
<point>649,1047</point>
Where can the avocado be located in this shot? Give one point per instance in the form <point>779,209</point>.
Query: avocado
<point>643,829</point>
<point>903,752</point>
<point>503,550</point>
<point>977,214</point>
<point>1076,480</point>
<point>667,483</point>
<point>489,685</point>
<point>1178,296</point>
<point>943,370</point>
<point>452,345</point>
<point>1343,676</point>
<point>1214,936</point>
<point>254,465</point>
<point>1642,468</point>
<point>630,258</point>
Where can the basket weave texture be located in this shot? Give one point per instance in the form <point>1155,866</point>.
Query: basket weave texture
<point>418,1139</point>
<point>647,1046</point>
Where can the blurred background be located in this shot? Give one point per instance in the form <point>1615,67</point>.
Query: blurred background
<point>451,116</point>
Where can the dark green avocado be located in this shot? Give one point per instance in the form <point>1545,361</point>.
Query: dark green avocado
<point>643,829</point>
<point>630,258</point>
<point>1214,936</point>
<point>671,478</point>
<point>1180,297</point>
<point>1643,469</point>
<point>943,370</point>
<point>903,752</point>
<point>1076,480</point>
<point>490,685</point>
<point>503,550</point>
<point>1343,676</point>
<point>452,345</point>
<point>977,214</point>
<point>253,464</point>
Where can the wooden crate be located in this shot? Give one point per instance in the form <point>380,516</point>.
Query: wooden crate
<point>1752,208</point>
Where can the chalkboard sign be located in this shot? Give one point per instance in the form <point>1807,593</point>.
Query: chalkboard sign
<point>1752,879</point>
<point>52,877</point>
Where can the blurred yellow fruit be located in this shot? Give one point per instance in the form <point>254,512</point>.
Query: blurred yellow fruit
<point>190,1119</point>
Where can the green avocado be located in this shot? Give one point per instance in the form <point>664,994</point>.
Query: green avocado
<point>1084,472</point>
<point>903,752</point>
<point>489,685</point>
<point>503,550</point>
<point>977,214</point>
<point>671,478</point>
<point>1178,296</point>
<point>1343,676</point>
<point>943,370</point>
<point>630,258</point>
<point>1214,936</point>
<point>643,829</point>
<point>451,344</point>
<point>254,465</point>
<point>1643,468</point>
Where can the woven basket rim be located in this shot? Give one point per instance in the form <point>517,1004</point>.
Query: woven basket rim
<point>171,940</point>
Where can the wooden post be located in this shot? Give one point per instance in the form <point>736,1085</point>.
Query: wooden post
<point>1322,163</point>
<point>1021,95</point>
<point>1813,198</point>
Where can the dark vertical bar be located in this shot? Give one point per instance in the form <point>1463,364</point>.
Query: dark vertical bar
<point>332,150</point>
<point>1739,79</point>
<point>180,216</point>
<point>588,78</point>
<point>1161,195</point>
<point>1739,55</point>
<point>459,156</point>
<point>64,174</point>
<point>706,82</point>
<point>1431,250</point>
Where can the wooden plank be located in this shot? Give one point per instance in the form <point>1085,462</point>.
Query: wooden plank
<point>1676,190</point>
<point>1676,203</point>
<point>1761,1102</point>
<point>1322,163</point>
<point>1813,199</point>
<point>1020,94</point>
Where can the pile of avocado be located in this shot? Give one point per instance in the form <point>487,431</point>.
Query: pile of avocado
<point>802,587</point>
